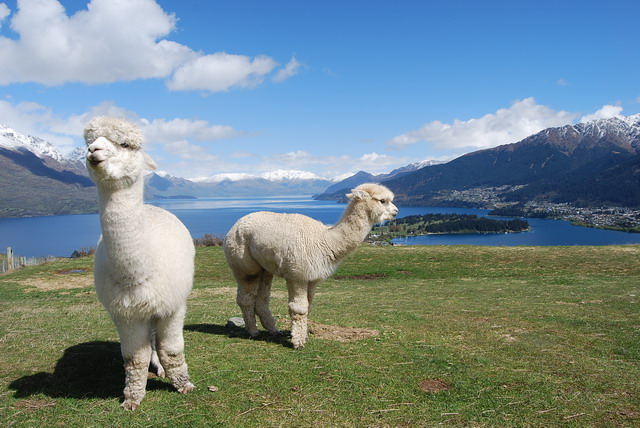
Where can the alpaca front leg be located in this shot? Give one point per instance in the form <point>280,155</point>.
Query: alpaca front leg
<point>298,311</point>
<point>170,343</point>
<point>136,352</point>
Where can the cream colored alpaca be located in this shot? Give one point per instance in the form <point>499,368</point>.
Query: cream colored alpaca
<point>299,249</point>
<point>144,259</point>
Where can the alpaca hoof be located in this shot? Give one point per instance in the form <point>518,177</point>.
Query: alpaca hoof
<point>276,333</point>
<point>187,388</point>
<point>298,346</point>
<point>130,404</point>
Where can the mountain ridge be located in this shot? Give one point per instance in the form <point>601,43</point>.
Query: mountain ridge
<point>596,162</point>
<point>544,163</point>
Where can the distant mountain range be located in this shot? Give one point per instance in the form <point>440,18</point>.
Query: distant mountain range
<point>35,179</point>
<point>276,183</point>
<point>594,163</point>
<point>588,164</point>
<point>338,190</point>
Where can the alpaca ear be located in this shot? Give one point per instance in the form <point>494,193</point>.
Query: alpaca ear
<point>148,162</point>
<point>358,194</point>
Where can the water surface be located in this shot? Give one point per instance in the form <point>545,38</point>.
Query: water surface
<point>61,235</point>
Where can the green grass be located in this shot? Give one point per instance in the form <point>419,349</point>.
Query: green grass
<point>468,336</point>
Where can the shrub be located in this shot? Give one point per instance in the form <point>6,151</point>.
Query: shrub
<point>208,240</point>
<point>83,252</point>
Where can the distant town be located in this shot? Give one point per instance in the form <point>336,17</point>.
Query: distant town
<point>615,218</point>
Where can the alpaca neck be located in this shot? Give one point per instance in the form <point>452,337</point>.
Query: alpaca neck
<point>351,230</point>
<point>122,221</point>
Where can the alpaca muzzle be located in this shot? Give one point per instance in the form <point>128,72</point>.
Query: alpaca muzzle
<point>96,152</point>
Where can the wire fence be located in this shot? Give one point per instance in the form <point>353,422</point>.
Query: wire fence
<point>11,261</point>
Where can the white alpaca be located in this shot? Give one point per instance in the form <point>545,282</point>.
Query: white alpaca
<point>144,259</point>
<point>299,249</point>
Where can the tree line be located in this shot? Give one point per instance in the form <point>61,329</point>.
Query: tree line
<point>450,223</point>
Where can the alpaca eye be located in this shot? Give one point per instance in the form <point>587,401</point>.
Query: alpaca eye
<point>383,201</point>
<point>124,145</point>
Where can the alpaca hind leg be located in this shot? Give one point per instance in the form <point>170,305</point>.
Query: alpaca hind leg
<point>262,304</point>
<point>155,361</point>
<point>298,311</point>
<point>246,299</point>
<point>171,350</point>
<point>136,352</point>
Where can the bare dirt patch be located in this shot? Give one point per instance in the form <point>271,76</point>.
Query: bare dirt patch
<point>433,385</point>
<point>341,334</point>
<point>61,280</point>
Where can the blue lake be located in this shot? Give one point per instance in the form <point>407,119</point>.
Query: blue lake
<point>61,235</point>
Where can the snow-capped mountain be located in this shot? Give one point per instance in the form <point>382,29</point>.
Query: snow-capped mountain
<point>341,187</point>
<point>15,141</point>
<point>41,180</point>
<point>277,175</point>
<point>596,162</point>
<point>279,182</point>
<point>290,175</point>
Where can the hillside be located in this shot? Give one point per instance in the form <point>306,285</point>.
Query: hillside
<point>39,180</point>
<point>451,336</point>
<point>338,190</point>
<point>32,186</point>
<point>574,164</point>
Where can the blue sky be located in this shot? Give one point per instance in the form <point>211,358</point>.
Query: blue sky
<point>330,87</point>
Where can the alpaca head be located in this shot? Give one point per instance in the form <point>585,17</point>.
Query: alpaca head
<point>378,200</point>
<point>114,157</point>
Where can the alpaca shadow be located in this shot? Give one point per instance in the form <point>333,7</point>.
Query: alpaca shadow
<point>87,370</point>
<point>233,331</point>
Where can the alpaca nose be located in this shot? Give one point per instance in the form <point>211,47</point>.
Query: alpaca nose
<point>98,144</point>
<point>96,153</point>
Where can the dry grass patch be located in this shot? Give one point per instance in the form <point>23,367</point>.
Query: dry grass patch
<point>60,280</point>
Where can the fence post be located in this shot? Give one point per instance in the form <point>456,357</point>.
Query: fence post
<point>9,259</point>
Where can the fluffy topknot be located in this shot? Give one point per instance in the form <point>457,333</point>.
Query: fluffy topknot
<point>371,190</point>
<point>119,131</point>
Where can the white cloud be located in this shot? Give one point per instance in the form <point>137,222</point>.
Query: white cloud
<point>164,131</point>
<point>66,132</point>
<point>509,125</point>
<point>34,119</point>
<point>562,82</point>
<point>112,40</point>
<point>4,12</point>
<point>331,166</point>
<point>185,150</point>
<point>117,40</point>
<point>606,112</point>
<point>291,69</point>
<point>220,72</point>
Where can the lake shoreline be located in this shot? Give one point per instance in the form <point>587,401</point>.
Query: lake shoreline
<point>61,235</point>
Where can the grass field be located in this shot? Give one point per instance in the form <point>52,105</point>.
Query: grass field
<point>403,336</point>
